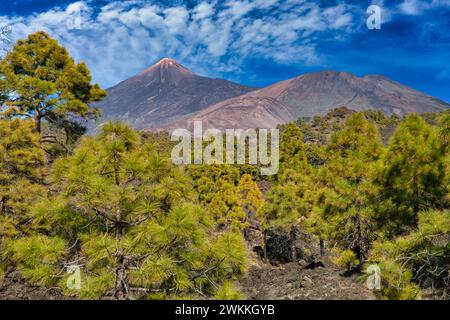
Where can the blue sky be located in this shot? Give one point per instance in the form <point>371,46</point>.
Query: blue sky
<point>255,42</point>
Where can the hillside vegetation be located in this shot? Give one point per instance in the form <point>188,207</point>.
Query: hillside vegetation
<point>354,189</point>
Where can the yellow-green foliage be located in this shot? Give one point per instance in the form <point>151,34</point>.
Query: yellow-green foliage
<point>422,256</point>
<point>249,195</point>
<point>345,259</point>
<point>412,177</point>
<point>21,167</point>
<point>217,190</point>
<point>285,204</point>
<point>342,211</point>
<point>250,199</point>
<point>228,291</point>
<point>21,179</point>
<point>38,258</point>
<point>131,217</point>
<point>45,79</point>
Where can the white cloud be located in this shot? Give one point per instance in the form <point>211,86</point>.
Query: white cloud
<point>203,10</point>
<point>416,7</point>
<point>122,38</point>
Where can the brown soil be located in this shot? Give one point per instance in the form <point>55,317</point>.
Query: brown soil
<point>290,281</point>
<point>293,281</point>
<point>13,287</point>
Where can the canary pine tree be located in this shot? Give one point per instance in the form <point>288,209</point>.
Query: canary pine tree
<point>289,202</point>
<point>39,78</point>
<point>292,147</point>
<point>418,259</point>
<point>21,177</point>
<point>413,174</point>
<point>250,199</point>
<point>129,218</point>
<point>342,211</point>
<point>286,206</point>
<point>415,252</point>
<point>218,193</point>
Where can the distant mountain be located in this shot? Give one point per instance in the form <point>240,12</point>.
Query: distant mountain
<point>167,96</point>
<point>164,93</point>
<point>314,94</point>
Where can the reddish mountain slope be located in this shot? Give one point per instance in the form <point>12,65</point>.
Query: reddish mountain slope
<point>315,94</point>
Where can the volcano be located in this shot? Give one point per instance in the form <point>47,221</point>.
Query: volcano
<point>164,93</point>
<point>167,95</point>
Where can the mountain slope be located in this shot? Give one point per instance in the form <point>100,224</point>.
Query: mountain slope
<point>315,94</point>
<point>164,93</point>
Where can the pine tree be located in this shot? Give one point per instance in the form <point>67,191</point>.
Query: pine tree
<point>413,175</point>
<point>218,193</point>
<point>21,172</point>
<point>292,147</point>
<point>40,78</point>
<point>21,178</point>
<point>226,208</point>
<point>288,203</point>
<point>342,209</point>
<point>129,218</point>
<point>419,259</point>
<point>250,199</point>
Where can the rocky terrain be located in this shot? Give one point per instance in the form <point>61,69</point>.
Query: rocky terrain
<point>294,281</point>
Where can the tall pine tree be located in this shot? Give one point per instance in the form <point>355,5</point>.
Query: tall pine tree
<point>40,78</point>
<point>412,176</point>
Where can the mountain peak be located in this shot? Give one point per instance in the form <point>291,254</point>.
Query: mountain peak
<point>164,93</point>
<point>168,66</point>
<point>167,61</point>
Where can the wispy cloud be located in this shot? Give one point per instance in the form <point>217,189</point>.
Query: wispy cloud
<point>121,38</point>
<point>416,7</point>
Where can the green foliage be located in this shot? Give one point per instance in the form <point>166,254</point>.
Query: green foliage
<point>413,174</point>
<point>250,199</point>
<point>39,78</point>
<point>292,147</point>
<point>226,208</point>
<point>345,259</point>
<point>217,190</point>
<point>131,218</point>
<point>249,195</point>
<point>228,292</point>
<point>422,256</point>
<point>21,176</point>
<point>286,204</point>
<point>343,212</point>
<point>37,257</point>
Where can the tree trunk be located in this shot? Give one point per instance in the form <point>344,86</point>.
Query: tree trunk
<point>118,224</point>
<point>322,247</point>
<point>416,198</point>
<point>265,245</point>
<point>293,239</point>
<point>37,123</point>
<point>121,290</point>
<point>2,205</point>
